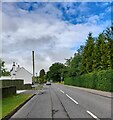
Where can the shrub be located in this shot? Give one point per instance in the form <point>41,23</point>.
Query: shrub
<point>101,80</point>
<point>17,82</point>
<point>27,86</point>
<point>8,91</point>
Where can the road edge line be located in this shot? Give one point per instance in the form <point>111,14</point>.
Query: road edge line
<point>111,97</point>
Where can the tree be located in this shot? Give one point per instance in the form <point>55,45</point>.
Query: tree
<point>55,72</point>
<point>80,50</point>
<point>42,73</point>
<point>3,70</point>
<point>41,78</point>
<point>101,53</point>
<point>74,69</point>
<point>109,37</point>
<point>87,56</point>
<point>97,54</point>
<point>68,61</point>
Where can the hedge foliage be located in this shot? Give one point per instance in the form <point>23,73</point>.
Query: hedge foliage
<point>8,91</point>
<point>27,86</point>
<point>100,80</point>
<point>19,83</point>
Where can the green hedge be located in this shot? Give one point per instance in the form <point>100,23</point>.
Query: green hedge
<point>27,86</point>
<point>8,91</point>
<point>17,82</point>
<point>101,80</point>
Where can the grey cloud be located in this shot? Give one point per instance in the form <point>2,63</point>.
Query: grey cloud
<point>30,44</point>
<point>38,42</point>
<point>8,24</point>
<point>49,37</point>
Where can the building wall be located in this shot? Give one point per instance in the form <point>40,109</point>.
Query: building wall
<point>24,74</point>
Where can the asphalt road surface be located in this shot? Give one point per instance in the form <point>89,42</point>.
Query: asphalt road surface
<point>59,101</point>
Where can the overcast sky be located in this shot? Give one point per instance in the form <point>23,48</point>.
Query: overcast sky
<point>53,30</point>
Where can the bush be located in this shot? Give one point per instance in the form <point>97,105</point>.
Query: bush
<point>17,82</point>
<point>40,80</point>
<point>8,91</point>
<point>27,86</point>
<point>101,80</point>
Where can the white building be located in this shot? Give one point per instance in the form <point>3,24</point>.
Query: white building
<point>18,72</point>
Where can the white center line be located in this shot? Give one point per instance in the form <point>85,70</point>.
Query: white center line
<point>61,91</point>
<point>71,99</point>
<point>94,116</point>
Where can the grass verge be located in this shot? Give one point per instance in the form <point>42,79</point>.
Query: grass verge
<point>60,82</point>
<point>12,102</point>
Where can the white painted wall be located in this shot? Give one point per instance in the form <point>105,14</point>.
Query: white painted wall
<point>5,78</point>
<point>22,73</point>
<point>13,72</point>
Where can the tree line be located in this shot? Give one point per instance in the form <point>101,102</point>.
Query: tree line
<point>95,55</point>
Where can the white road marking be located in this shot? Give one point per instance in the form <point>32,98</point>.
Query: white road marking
<point>71,99</point>
<point>94,116</point>
<point>61,91</point>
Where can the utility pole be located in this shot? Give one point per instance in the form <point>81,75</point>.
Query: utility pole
<point>33,63</point>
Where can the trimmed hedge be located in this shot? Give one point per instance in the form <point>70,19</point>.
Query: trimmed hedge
<point>8,91</point>
<point>100,80</point>
<point>27,86</point>
<point>16,82</point>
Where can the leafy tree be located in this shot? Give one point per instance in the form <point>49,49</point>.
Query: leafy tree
<point>55,72</point>
<point>41,78</point>
<point>3,70</point>
<point>97,54</point>
<point>75,64</point>
<point>48,76</point>
<point>42,73</point>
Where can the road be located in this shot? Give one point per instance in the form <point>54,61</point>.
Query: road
<point>59,101</point>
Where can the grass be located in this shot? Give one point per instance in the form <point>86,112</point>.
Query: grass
<point>62,82</point>
<point>12,102</point>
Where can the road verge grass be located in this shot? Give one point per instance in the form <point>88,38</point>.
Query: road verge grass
<point>60,82</point>
<point>11,103</point>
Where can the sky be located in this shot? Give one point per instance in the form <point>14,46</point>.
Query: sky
<point>54,30</point>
